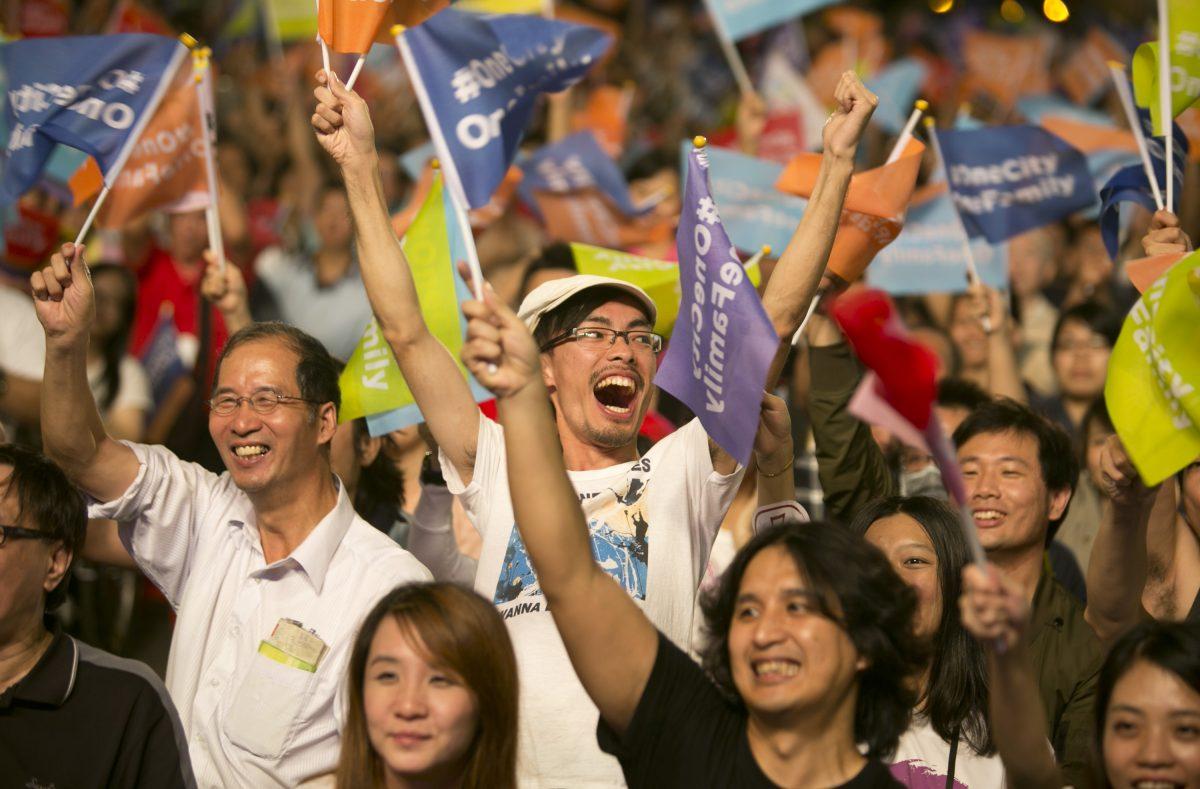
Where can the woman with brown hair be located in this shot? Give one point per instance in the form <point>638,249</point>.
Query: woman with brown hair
<point>432,694</point>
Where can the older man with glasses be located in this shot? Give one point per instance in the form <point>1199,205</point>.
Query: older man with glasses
<point>267,566</point>
<point>55,690</point>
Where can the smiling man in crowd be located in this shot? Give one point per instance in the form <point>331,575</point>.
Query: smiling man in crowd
<point>652,519</point>
<point>267,567</point>
<point>1020,472</point>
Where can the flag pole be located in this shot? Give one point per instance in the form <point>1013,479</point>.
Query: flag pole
<point>972,271</point>
<point>812,308</point>
<point>1126,97</point>
<point>91,217</point>
<point>208,133</point>
<point>740,75</point>
<point>920,106</point>
<point>1164,98</point>
<point>357,70</point>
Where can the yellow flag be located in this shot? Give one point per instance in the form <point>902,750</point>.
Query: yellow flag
<point>501,6</point>
<point>1153,373</point>
<point>1184,38</point>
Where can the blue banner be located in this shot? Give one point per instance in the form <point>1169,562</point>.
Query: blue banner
<point>742,18</point>
<point>1009,179</point>
<point>575,162</point>
<point>753,211</point>
<point>160,358</point>
<point>477,79</point>
<point>92,93</point>
<point>930,254</point>
<point>897,87</point>
<point>723,342</point>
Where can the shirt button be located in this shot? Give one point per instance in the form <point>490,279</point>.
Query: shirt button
<point>234,631</point>
<point>214,682</point>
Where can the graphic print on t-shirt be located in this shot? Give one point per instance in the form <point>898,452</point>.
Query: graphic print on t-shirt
<point>617,526</point>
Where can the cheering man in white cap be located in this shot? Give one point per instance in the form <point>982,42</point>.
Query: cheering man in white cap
<point>652,518</point>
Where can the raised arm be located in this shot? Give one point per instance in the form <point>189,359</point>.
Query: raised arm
<point>73,435</point>
<point>225,288</point>
<point>996,613</point>
<point>344,129</point>
<point>610,642</point>
<point>1116,573</point>
<point>774,453</point>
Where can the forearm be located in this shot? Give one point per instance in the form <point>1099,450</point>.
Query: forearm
<point>431,538</point>
<point>775,481</point>
<point>238,318</point>
<point>72,430</point>
<point>1116,573</point>
<point>1018,727</point>
<point>1004,377</point>
<point>798,272</point>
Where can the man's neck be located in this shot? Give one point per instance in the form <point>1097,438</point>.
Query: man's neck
<point>580,455</point>
<point>19,654</point>
<point>286,517</point>
<point>1076,409</point>
<point>1024,566</point>
<point>814,751</point>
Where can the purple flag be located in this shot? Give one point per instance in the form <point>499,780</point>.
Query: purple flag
<point>723,342</point>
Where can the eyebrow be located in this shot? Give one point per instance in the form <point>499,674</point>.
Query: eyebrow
<point>224,390</point>
<point>1001,459</point>
<point>382,659</point>
<point>636,323</point>
<point>788,592</point>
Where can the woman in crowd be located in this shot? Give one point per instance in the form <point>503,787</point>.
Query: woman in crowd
<point>811,647</point>
<point>949,735</point>
<point>1147,731</point>
<point>1078,530</point>
<point>431,694</point>
<point>117,379</point>
<point>1083,340</point>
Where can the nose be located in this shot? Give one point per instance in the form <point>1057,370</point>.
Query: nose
<point>621,348</point>
<point>1154,749</point>
<point>409,703</point>
<point>768,630</point>
<point>983,485</point>
<point>244,419</point>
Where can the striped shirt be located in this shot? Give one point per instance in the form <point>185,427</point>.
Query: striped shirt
<point>252,721</point>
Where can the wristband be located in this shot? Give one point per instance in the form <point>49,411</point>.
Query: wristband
<point>786,466</point>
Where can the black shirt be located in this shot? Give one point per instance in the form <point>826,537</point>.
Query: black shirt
<point>85,718</point>
<point>685,733</point>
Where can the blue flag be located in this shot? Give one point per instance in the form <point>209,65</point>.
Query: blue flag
<point>723,341</point>
<point>930,256</point>
<point>160,358</point>
<point>92,93</point>
<point>753,211</point>
<point>477,79</point>
<point>1009,179</point>
<point>575,162</point>
<point>742,18</point>
<point>897,86</point>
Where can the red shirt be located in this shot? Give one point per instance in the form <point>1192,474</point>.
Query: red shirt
<point>161,281</point>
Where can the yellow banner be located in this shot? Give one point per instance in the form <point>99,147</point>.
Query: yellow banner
<point>1184,39</point>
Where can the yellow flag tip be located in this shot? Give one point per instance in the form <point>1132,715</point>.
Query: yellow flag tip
<point>188,41</point>
<point>435,164</point>
<point>921,105</point>
<point>766,249</point>
<point>699,141</point>
<point>397,30</point>
<point>929,122</point>
<point>1116,64</point>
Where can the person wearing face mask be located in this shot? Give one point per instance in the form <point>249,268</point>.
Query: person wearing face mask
<point>1146,727</point>
<point>949,738</point>
<point>810,630</point>
<point>266,566</point>
<point>1019,471</point>
<point>431,694</point>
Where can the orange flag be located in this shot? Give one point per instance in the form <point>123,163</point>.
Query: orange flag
<point>1088,137</point>
<point>1007,67</point>
<point>1144,272</point>
<point>86,181</point>
<point>352,26</point>
<point>607,114</point>
<point>873,213</point>
<point>167,163</point>
<point>588,216</point>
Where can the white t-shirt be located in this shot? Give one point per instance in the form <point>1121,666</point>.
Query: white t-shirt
<point>922,761</point>
<point>132,392</point>
<point>652,524</point>
<point>22,341</point>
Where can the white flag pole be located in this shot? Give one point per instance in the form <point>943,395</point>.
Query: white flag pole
<point>740,75</point>
<point>357,70</point>
<point>1126,97</point>
<point>920,106</point>
<point>208,135</point>
<point>91,217</point>
<point>1164,98</point>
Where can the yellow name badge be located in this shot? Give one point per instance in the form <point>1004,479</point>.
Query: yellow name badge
<point>292,645</point>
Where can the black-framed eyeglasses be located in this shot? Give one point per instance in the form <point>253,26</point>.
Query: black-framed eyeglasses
<point>261,402</point>
<point>19,533</point>
<point>594,337</point>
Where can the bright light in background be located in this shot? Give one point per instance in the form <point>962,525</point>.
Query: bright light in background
<point>940,6</point>
<point>1013,12</point>
<point>1055,10</point>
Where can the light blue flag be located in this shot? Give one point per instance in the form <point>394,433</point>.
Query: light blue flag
<point>897,87</point>
<point>414,160</point>
<point>753,211</point>
<point>1036,107</point>
<point>929,255</point>
<point>742,18</point>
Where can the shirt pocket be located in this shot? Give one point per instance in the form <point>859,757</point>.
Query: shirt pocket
<point>265,708</point>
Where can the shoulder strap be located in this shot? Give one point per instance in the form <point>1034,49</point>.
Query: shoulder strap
<point>953,759</point>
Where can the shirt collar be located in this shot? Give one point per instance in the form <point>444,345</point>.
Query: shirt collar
<point>51,681</point>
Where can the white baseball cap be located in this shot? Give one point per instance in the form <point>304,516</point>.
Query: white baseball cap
<point>549,295</point>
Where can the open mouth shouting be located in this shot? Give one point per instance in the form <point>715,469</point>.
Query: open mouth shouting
<point>616,393</point>
<point>250,453</point>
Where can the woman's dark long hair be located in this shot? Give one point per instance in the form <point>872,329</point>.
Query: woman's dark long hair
<point>956,700</point>
<point>462,632</point>
<point>380,496</point>
<point>1172,646</point>
<point>115,346</point>
<point>856,588</point>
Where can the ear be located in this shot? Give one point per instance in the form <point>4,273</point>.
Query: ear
<point>368,450</point>
<point>326,423</point>
<point>1059,499</point>
<point>56,566</point>
<point>547,372</point>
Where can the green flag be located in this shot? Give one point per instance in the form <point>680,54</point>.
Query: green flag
<point>1152,375</point>
<point>1184,37</point>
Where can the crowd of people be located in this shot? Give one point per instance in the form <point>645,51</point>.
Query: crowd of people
<point>568,586</point>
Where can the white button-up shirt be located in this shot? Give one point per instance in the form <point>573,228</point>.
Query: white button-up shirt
<point>250,720</point>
